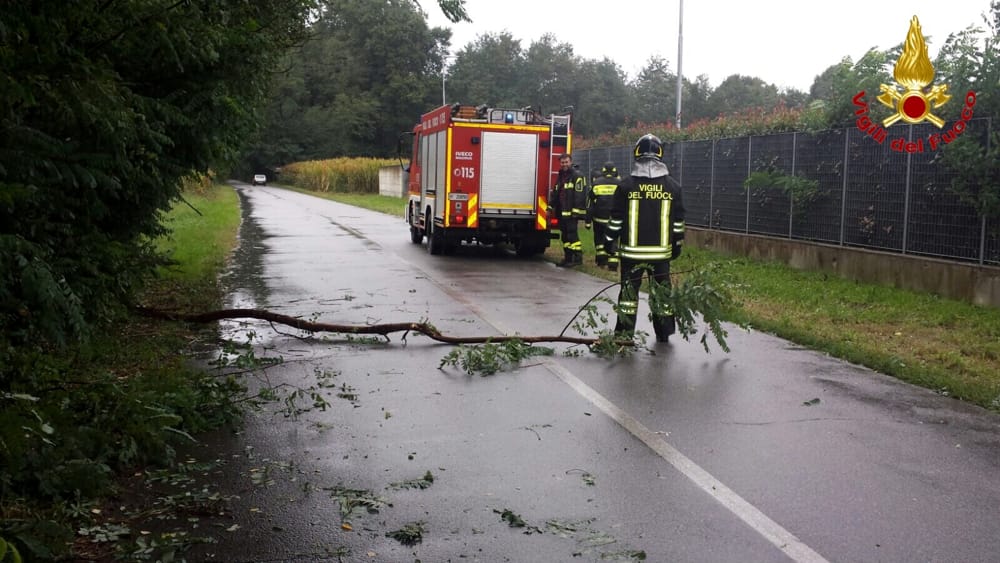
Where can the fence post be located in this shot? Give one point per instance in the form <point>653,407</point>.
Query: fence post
<point>906,196</point>
<point>749,164</point>
<point>791,198</point>
<point>680,163</point>
<point>711,190</point>
<point>982,230</point>
<point>843,193</point>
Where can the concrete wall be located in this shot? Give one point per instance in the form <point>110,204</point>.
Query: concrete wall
<point>391,181</point>
<point>965,282</point>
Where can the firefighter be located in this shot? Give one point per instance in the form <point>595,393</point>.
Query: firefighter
<point>571,195</point>
<point>647,220</point>
<point>602,192</point>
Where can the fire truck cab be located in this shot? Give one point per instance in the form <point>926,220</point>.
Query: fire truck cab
<point>482,175</point>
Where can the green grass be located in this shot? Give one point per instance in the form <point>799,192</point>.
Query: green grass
<point>382,203</point>
<point>201,240</point>
<point>948,346</point>
<point>198,244</point>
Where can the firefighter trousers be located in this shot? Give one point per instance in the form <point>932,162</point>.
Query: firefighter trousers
<point>603,257</point>
<point>572,247</point>
<point>628,297</point>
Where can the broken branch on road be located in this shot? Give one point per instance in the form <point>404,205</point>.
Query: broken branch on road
<point>382,329</point>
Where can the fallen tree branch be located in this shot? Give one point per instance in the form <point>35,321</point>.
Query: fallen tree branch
<point>383,329</point>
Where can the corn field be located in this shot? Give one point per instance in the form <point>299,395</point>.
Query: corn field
<point>350,175</point>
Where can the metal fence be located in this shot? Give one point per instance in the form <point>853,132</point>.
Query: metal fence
<point>869,194</point>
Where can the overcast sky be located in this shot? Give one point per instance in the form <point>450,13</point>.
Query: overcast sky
<point>783,42</point>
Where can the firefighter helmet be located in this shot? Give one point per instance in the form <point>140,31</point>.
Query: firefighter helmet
<point>609,170</point>
<point>648,146</point>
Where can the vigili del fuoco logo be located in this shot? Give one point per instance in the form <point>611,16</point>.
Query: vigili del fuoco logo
<point>914,102</point>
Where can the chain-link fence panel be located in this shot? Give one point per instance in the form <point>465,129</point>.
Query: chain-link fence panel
<point>729,198</point>
<point>696,181</point>
<point>819,157</point>
<point>875,194</point>
<point>770,205</point>
<point>940,223</point>
<point>991,242</point>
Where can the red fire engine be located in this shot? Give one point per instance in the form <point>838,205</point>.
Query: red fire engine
<point>481,174</point>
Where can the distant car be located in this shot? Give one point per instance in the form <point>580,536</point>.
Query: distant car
<point>259,179</point>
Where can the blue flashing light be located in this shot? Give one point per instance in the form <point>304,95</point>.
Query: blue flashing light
<point>508,117</point>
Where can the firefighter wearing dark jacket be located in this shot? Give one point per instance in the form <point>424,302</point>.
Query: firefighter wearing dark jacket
<point>602,194</point>
<point>571,195</point>
<point>647,219</point>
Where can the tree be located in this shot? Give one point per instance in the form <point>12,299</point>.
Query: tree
<point>823,86</point>
<point>488,71</point>
<point>654,98</point>
<point>738,92</point>
<point>550,79</point>
<point>600,106</point>
<point>840,83</point>
<point>969,62</point>
<point>105,108</point>
<point>694,102</point>
<point>368,69</point>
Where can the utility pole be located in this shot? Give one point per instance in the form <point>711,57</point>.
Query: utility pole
<point>680,49</point>
<point>444,73</point>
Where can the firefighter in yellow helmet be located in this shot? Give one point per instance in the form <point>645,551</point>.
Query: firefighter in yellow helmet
<point>647,220</point>
<point>602,193</point>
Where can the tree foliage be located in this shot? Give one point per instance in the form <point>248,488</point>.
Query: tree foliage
<point>368,68</point>
<point>970,61</point>
<point>105,108</point>
<point>654,97</point>
<point>488,71</point>
<point>739,92</point>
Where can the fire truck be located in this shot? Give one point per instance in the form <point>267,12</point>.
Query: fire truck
<point>482,175</point>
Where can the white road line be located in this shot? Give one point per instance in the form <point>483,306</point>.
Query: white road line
<point>771,530</point>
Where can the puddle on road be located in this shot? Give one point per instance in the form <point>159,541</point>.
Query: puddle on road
<point>243,282</point>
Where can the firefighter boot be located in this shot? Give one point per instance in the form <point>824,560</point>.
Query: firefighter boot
<point>664,327</point>
<point>567,259</point>
<point>578,258</point>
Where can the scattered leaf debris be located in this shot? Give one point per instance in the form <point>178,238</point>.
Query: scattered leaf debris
<point>422,483</point>
<point>409,535</point>
<point>811,402</point>
<point>515,521</point>
<point>353,499</point>
<point>588,477</point>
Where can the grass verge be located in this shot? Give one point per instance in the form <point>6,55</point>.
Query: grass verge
<point>381,203</point>
<point>951,347</point>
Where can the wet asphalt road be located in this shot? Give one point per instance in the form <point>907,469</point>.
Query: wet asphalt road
<point>673,453</point>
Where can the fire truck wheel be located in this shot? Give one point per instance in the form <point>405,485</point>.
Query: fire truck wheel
<point>435,240</point>
<point>416,235</point>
